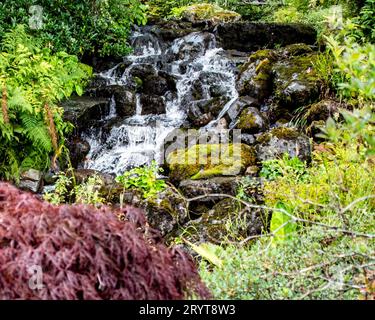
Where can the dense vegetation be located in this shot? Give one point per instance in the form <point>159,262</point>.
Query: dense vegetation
<point>33,80</point>
<point>84,27</point>
<point>319,237</point>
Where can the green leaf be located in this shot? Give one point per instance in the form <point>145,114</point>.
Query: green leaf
<point>207,251</point>
<point>79,90</point>
<point>282,225</point>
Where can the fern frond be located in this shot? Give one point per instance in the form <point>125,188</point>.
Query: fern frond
<point>37,132</point>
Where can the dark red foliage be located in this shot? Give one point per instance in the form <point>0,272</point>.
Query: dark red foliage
<point>87,253</point>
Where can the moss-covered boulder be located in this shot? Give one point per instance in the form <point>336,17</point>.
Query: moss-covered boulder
<point>252,120</point>
<point>296,82</point>
<point>217,185</point>
<point>206,11</point>
<point>227,220</point>
<point>255,78</point>
<point>275,143</point>
<point>321,110</point>
<point>210,160</point>
<point>297,49</point>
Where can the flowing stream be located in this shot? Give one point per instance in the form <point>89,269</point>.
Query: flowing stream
<point>193,60</point>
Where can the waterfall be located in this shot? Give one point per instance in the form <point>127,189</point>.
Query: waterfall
<point>192,61</point>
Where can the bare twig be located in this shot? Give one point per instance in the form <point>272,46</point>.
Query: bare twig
<point>293,218</point>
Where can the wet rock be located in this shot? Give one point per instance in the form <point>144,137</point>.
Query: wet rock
<point>237,57</point>
<point>248,139</point>
<point>277,142</point>
<point>252,120</point>
<point>31,180</point>
<point>211,160</point>
<point>218,185</point>
<point>123,97</point>
<point>215,83</point>
<point>155,85</point>
<point>191,46</point>
<point>79,149</point>
<point>248,36</point>
<point>296,83</point>
<point>198,118</point>
<point>152,104</point>
<point>238,106</point>
<point>83,111</point>
<point>165,213</point>
<point>81,175</point>
<point>173,29</point>
<point>170,80</point>
<point>125,102</point>
<point>143,71</point>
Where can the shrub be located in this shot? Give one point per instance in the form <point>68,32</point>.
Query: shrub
<point>316,264</point>
<point>77,27</point>
<point>66,191</point>
<point>87,253</point>
<point>32,81</point>
<point>366,19</point>
<point>356,62</point>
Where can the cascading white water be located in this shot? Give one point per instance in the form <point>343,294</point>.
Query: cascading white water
<point>136,140</point>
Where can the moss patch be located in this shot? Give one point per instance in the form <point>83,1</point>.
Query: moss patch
<point>206,11</point>
<point>296,81</point>
<point>206,161</point>
<point>280,133</point>
<point>298,49</point>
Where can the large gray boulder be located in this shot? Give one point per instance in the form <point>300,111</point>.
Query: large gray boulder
<point>277,142</point>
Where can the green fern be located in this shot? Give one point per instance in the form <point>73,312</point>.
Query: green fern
<point>37,132</point>
<point>34,78</point>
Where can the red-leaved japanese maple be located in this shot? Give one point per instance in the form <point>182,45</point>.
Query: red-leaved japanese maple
<point>87,253</point>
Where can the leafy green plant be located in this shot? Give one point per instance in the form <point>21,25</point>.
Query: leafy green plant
<point>366,20</point>
<point>245,185</point>
<point>282,225</point>
<point>143,179</point>
<point>88,192</point>
<point>272,169</point>
<point>33,80</point>
<point>62,191</point>
<point>357,63</point>
<point>67,191</point>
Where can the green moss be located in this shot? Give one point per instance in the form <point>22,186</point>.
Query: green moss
<point>300,66</point>
<point>298,49</point>
<point>280,133</point>
<point>261,55</point>
<point>205,161</point>
<point>138,82</point>
<point>205,11</point>
<point>247,120</point>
